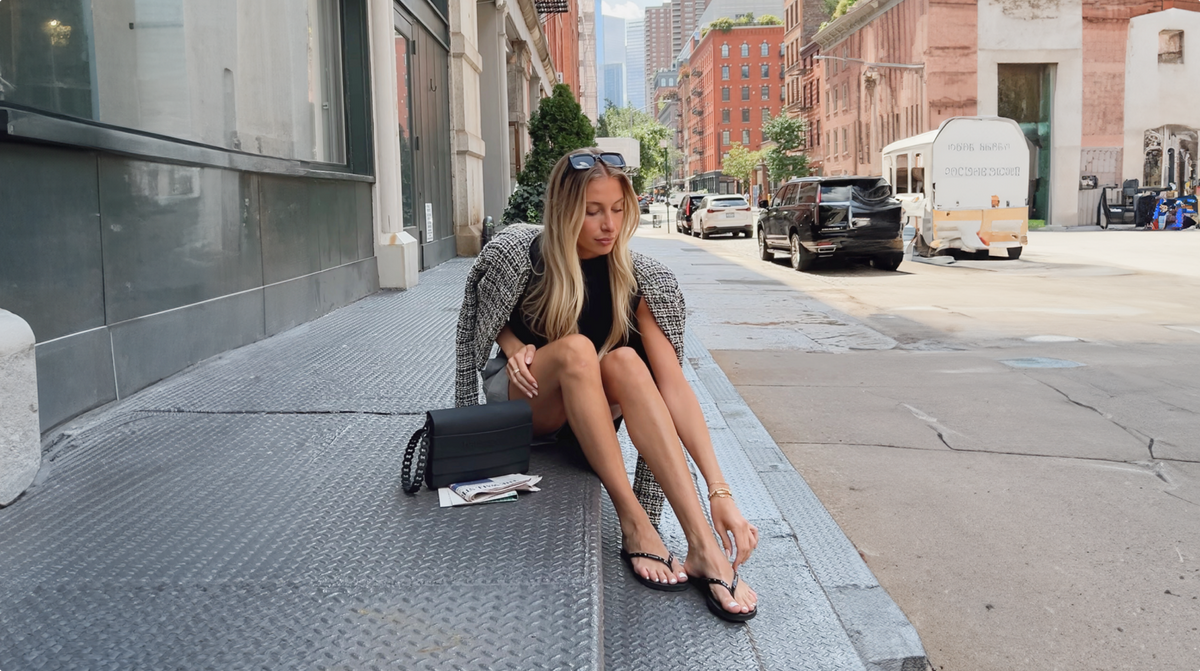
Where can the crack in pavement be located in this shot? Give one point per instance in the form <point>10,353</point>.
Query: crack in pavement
<point>1131,431</point>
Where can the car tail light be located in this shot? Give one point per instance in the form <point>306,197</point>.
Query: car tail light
<point>818,195</point>
<point>743,209</point>
<point>710,210</point>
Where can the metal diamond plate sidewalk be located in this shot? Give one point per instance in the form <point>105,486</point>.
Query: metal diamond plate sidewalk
<point>246,514</point>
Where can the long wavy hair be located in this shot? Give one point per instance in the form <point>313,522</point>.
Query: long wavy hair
<point>556,296</point>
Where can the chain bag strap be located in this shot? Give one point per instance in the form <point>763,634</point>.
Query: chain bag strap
<point>418,445</point>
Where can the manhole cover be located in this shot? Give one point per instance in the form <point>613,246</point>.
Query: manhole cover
<point>1040,362</point>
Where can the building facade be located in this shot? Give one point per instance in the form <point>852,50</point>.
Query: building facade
<point>1089,82</point>
<point>635,64</point>
<point>658,43</point>
<point>613,64</point>
<point>734,88</point>
<point>562,38</point>
<point>182,180</point>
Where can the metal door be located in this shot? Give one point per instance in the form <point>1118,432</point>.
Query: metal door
<point>429,101</point>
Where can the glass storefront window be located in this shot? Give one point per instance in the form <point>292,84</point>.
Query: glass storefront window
<point>404,109</point>
<point>263,77</point>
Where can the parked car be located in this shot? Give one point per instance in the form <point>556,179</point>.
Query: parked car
<point>683,214</point>
<point>644,204</point>
<point>843,217</point>
<point>722,214</point>
<point>675,198</point>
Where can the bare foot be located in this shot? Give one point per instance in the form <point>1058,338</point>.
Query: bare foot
<point>646,539</point>
<point>712,563</point>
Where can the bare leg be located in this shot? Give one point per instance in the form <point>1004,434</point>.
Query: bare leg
<point>570,390</point>
<point>627,381</point>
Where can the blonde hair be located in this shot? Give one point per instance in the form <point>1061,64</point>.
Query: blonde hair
<point>556,296</point>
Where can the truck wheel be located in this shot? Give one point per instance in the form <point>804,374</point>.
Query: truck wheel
<point>764,252</point>
<point>801,258</point>
<point>1014,252</point>
<point>889,262</point>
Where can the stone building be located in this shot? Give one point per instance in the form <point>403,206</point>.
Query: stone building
<point>1099,87</point>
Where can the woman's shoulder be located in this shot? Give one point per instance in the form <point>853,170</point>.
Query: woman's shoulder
<point>652,274</point>
<point>511,244</point>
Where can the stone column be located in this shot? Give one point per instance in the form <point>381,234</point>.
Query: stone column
<point>468,146</point>
<point>395,251</point>
<point>493,88</point>
<point>518,101</point>
<point>20,433</point>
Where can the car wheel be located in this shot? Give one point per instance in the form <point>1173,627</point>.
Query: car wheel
<point>887,262</point>
<point>703,234</point>
<point>801,258</point>
<point>764,252</point>
<point>1014,252</point>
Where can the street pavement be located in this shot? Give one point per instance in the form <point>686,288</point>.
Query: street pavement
<point>1022,516</point>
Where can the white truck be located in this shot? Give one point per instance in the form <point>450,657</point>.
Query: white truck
<point>964,186</point>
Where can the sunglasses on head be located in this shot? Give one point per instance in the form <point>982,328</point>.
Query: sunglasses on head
<point>583,161</point>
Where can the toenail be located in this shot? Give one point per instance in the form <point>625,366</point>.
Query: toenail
<point>673,581</point>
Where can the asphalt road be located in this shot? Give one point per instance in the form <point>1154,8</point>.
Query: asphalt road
<point>1013,446</point>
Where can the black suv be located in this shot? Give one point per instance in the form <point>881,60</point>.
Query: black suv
<point>683,223</point>
<point>820,217</point>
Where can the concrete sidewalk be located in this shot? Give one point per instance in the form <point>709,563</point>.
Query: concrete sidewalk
<point>246,513</point>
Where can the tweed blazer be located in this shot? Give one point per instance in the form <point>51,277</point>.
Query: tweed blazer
<point>497,281</point>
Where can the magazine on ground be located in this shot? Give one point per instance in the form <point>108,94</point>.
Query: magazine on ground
<point>487,490</point>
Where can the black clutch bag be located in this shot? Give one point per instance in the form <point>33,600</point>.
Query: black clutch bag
<point>469,443</point>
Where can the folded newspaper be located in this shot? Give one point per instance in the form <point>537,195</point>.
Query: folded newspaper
<point>488,490</point>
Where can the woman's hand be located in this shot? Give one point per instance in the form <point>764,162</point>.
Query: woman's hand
<point>518,370</point>
<point>727,519</point>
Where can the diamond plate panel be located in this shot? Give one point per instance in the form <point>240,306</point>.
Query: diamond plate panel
<point>833,559</point>
<point>242,533</point>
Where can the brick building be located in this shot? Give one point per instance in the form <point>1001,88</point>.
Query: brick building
<point>801,20</point>
<point>1091,99</point>
<point>562,39</point>
<point>658,43</point>
<point>734,87</point>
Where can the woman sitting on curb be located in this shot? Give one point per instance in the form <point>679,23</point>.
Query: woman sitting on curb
<point>590,331</point>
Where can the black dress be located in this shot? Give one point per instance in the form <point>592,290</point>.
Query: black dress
<point>595,320</point>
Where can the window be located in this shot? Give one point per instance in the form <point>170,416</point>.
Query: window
<point>845,141</point>
<point>746,72</point>
<point>1170,46</point>
<point>746,136</point>
<point>725,116</point>
<point>745,115</point>
<point>766,91</point>
<point>835,143</point>
<point>845,96</point>
<point>766,70</point>
<point>835,100</point>
<point>765,50</point>
<point>745,50</point>
<point>745,93</point>
<point>724,137</point>
<point>724,72</point>
<point>766,114</point>
<point>87,60</point>
<point>724,51</point>
<point>725,94</point>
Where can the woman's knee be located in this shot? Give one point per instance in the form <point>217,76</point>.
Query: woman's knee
<point>623,365</point>
<point>578,355</point>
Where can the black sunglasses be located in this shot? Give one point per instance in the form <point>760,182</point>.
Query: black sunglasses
<point>584,161</point>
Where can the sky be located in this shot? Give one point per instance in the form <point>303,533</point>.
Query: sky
<point>630,9</point>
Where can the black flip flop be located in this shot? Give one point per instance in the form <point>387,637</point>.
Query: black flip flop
<point>715,606</point>
<point>661,586</point>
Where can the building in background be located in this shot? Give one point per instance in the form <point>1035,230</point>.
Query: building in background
<point>1095,86</point>
<point>562,38</point>
<point>613,85</point>
<point>734,87</point>
<point>801,20</point>
<point>589,77</point>
<point>635,64</point>
<point>598,53</point>
<point>659,55</point>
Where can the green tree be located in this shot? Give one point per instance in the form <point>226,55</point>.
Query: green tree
<point>723,24</point>
<point>557,128</point>
<point>841,8</point>
<point>746,19</point>
<point>785,160</point>
<point>631,122</point>
<point>769,20</point>
<point>740,164</point>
